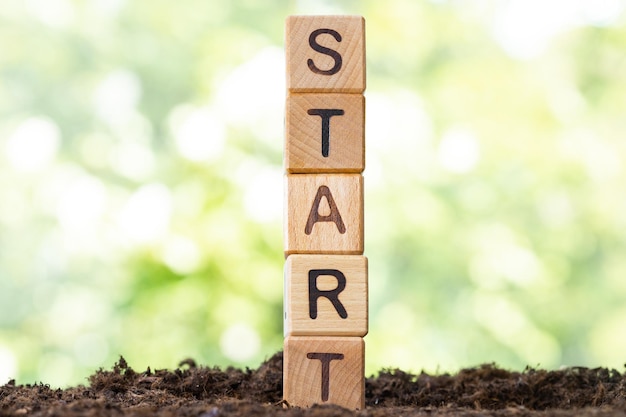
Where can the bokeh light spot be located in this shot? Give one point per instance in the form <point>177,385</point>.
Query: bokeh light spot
<point>198,132</point>
<point>146,215</point>
<point>240,342</point>
<point>33,145</point>
<point>458,151</point>
<point>8,365</point>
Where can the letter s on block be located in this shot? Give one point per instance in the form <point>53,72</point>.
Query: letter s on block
<point>326,51</point>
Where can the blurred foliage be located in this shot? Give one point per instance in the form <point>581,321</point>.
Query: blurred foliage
<point>141,183</point>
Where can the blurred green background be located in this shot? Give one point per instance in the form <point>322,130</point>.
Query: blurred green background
<point>141,183</point>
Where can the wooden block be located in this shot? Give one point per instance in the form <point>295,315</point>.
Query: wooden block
<point>323,214</point>
<point>325,54</point>
<point>325,133</point>
<point>326,295</point>
<point>319,370</point>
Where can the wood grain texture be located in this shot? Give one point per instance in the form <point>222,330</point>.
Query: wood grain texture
<point>325,133</point>
<point>321,370</point>
<point>323,214</point>
<point>325,54</point>
<point>326,295</point>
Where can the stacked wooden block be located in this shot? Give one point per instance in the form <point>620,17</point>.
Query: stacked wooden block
<point>326,301</point>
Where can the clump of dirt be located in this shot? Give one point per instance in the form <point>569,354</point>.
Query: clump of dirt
<point>199,391</point>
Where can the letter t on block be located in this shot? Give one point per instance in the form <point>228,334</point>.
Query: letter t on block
<point>319,370</point>
<point>324,133</point>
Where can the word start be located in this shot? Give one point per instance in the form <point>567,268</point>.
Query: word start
<point>326,278</point>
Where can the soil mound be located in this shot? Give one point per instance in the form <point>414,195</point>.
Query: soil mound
<point>199,391</point>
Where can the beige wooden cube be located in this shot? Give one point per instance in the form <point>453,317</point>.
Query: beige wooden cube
<point>319,370</point>
<point>323,214</point>
<point>325,54</point>
<point>326,295</point>
<point>325,133</point>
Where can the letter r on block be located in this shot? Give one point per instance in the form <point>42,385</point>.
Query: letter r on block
<point>326,295</point>
<point>333,295</point>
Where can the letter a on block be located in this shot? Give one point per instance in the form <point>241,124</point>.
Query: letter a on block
<point>315,216</point>
<point>324,214</point>
<point>326,295</point>
<point>325,54</point>
<point>318,370</point>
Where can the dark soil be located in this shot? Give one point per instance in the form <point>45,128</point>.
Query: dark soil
<point>199,391</point>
